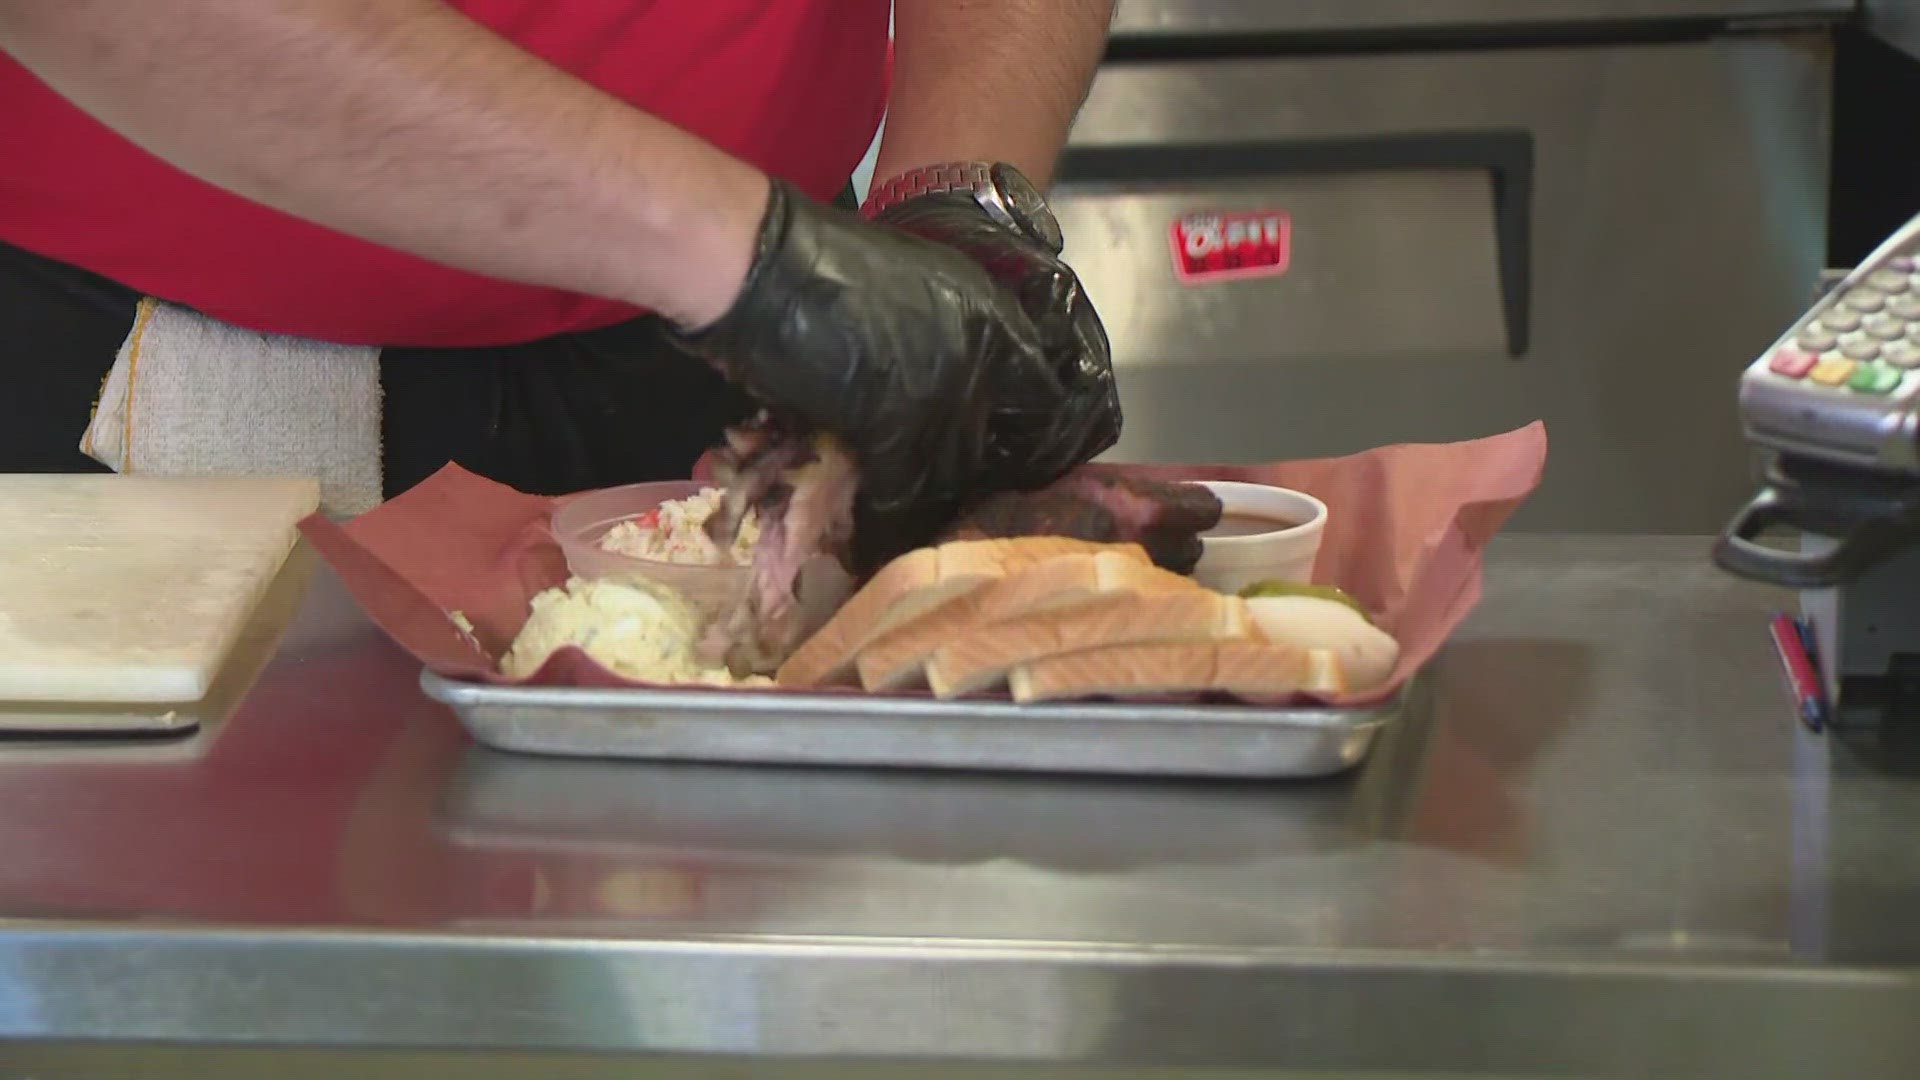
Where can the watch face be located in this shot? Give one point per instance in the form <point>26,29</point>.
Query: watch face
<point>1028,206</point>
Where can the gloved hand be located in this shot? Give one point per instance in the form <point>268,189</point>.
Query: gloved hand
<point>926,367</point>
<point>1071,334</point>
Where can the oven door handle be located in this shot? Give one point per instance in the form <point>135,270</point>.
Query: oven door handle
<point>1506,155</point>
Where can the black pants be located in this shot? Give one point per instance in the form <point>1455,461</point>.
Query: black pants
<point>562,414</point>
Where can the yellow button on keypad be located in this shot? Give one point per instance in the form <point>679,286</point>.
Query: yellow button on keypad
<point>1833,371</point>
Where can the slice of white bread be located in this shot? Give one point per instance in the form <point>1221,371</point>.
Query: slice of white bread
<point>1246,668</point>
<point>897,660</point>
<point>980,659</point>
<point>1071,580</point>
<point>911,586</point>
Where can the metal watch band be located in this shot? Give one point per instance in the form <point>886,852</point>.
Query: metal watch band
<point>956,176</point>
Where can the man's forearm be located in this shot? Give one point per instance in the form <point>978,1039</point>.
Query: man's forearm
<point>989,80</point>
<point>404,123</point>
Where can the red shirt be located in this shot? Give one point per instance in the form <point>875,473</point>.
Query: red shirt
<point>795,86</point>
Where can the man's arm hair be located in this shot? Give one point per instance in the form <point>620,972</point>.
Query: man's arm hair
<point>404,123</point>
<point>989,80</point>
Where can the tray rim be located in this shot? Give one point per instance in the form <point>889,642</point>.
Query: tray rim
<point>463,694</point>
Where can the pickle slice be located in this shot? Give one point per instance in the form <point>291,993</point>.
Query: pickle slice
<point>1276,587</point>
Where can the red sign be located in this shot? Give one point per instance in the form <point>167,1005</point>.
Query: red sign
<point>1218,246</point>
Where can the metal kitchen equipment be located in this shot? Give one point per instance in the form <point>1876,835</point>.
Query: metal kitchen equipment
<point>1835,401</point>
<point>902,732</point>
<point>1316,227</point>
<point>1896,22</point>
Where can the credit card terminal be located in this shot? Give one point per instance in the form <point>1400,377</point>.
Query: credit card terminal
<point>1843,384</point>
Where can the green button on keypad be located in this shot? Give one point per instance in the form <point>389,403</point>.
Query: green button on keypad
<point>1875,379</point>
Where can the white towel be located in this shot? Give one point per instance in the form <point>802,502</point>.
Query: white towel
<point>193,396</point>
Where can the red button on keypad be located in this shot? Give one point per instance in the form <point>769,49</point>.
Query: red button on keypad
<point>1792,363</point>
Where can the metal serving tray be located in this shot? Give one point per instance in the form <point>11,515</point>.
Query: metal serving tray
<point>910,732</point>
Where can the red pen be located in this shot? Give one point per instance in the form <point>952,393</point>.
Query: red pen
<point>1803,682</point>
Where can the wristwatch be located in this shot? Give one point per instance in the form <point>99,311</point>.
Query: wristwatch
<point>1006,195</point>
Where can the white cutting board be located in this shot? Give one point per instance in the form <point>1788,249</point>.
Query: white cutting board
<point>134,589</point>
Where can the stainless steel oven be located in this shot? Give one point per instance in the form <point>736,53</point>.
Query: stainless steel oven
<point>1315,227</point>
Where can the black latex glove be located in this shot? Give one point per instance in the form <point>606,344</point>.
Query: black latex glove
<point>1071,335</point>
<point>927,367</point>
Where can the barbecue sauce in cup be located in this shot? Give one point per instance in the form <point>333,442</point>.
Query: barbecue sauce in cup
<point>1241,523</point>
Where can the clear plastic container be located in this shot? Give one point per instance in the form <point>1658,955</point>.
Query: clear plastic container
<point>580,521</point>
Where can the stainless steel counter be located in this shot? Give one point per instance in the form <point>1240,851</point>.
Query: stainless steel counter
<point>1202,19</point>
<point>1599,847</point>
